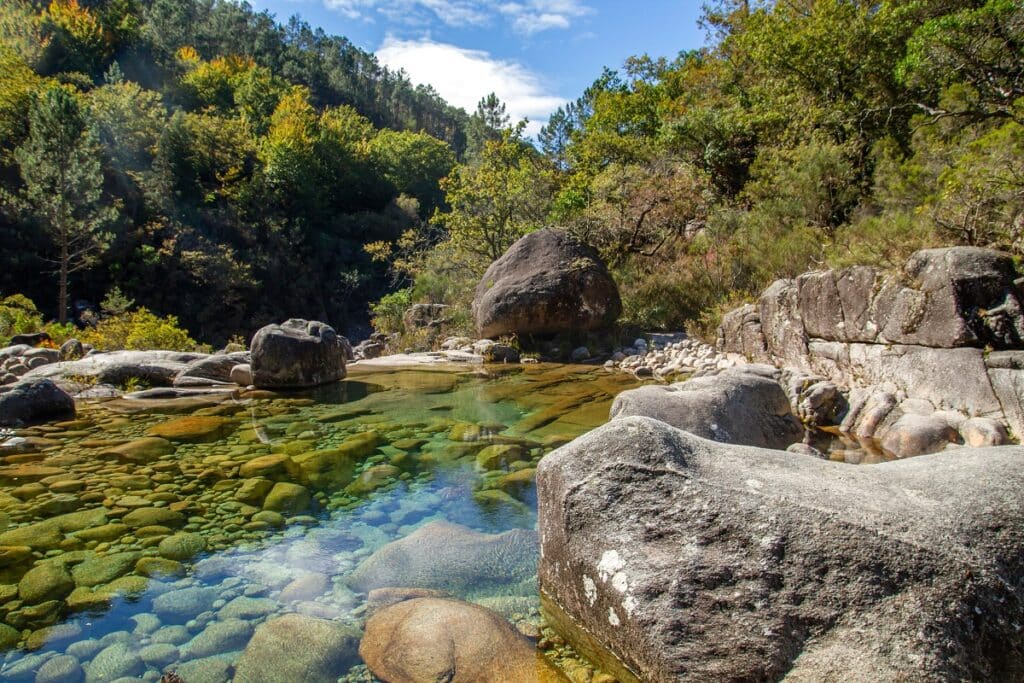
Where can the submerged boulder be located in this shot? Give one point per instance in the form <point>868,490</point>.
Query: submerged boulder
<point>34,400</point>
<point>426,640</point>
<point>294,647</point>
<point>673,558</point>
<point>451,557</point>
<point>298,353</point>
<point>743,405</point>
<point>547,282</point>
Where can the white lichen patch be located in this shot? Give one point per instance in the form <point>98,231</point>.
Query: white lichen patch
<point>589,590</point>
<point>620,582</point>
<point>610,564</point>
<point>629,604</point>
<point>613,618</point>
<point>754,484</point>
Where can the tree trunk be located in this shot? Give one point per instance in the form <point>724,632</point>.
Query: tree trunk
<point>62,297</point>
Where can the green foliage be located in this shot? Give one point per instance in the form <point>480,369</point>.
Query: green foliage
<point>18,315</point>
<point>503,196</point>
<point>139,329</point>
<point>116,303</point>
<point>387,313</point>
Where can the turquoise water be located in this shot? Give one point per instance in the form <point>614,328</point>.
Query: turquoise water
<point>284,501</point>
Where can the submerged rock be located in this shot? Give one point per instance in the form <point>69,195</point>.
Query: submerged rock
<point>690,560</point>
<point>425,640</point>
<point>450,557</point>
<point>298,648</point>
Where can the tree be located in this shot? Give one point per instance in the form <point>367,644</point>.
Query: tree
<point>485,125</point>
<point>414,163</point>
<point>497,200</point>
<point>63,184</point>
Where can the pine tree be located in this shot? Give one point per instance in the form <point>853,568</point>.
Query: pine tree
<point>60,166</point>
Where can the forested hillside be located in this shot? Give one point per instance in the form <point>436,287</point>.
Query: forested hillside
<point>231,171</point>
<point>206,161</point>
<point>807,132</point>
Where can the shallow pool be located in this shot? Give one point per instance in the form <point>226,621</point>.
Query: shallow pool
<point>155,536</point>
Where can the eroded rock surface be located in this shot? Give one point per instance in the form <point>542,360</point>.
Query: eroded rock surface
<point>691,560</point>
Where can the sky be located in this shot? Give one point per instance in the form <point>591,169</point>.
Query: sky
<point>534,54</point>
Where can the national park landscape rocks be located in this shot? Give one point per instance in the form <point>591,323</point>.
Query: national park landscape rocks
<point>943,334</point>
<point>691,560</point>
<point>298,353</point>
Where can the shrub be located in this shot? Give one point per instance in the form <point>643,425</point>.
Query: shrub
<point>18,315</point>
<point>139,330</point>
<point>387,313</point>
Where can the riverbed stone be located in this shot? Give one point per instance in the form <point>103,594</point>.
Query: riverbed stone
<point>216,669</point>
<point>194,428</point>
<point>46,581</point>
<point>184,603</point>
<point>253,491</point>
<point>445,556</point>
<point>218,637</point>
<point>297,353</point>
<point>60,669</point>
<point>767,565</point>
<point>152,516</point>
<point>104,568</point>
<point>183,546</point>
<point>431,639</point>
<point>159,566</point>
<point>112,662</point>
<point>294,647</point>
<point>244,607</point>
<point>159,654</point>
<point>917,434</point>
<point>140,451</point>
<point>306,587</point>
<point>287,497</point>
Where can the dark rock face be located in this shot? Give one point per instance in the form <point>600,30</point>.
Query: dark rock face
<point>690,560</point>
<point>426,640</point>
<point>744,405</point>
<point>546,283</point>
<point>34,400</point>
<point>298,353</point>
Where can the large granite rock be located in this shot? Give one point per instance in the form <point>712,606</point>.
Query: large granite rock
<point>426,640</point>
<point>158,368</point>
<point>743,405</point>
<point>450,557</point>
<point>295,648</point>
<point>216,367</point>
<point>34,400</point>
<point>673,558</point>
<point>547,282</point>
<point>298,353</point>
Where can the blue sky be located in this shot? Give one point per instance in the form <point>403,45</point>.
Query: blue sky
<point>535,54</point>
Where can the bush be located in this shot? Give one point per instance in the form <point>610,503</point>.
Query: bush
<point>387,313</point>
<point>18,315</point>
<point>139,330</point>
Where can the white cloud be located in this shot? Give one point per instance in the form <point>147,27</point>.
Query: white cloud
<point>534,16</point>
<point>526,17</point>
<point>464,76</point>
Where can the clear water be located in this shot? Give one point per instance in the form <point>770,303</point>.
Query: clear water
<point>422,467</point>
